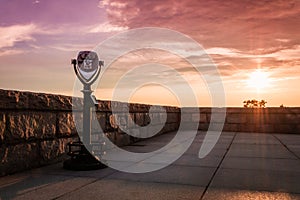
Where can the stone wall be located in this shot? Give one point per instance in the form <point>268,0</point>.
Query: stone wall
<point>260,120</point>
<point>35,127</point>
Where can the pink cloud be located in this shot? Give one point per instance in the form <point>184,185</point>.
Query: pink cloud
<point>12,34</point>
<point>237,34</point>
<point>230,24</point>
<point>106,28</point>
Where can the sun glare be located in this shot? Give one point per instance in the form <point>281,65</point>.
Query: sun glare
<point>258,80</point>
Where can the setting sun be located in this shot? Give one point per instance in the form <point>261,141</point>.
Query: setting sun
<point>258,80</point>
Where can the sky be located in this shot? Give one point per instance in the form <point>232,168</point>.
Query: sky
<point>254,45</point>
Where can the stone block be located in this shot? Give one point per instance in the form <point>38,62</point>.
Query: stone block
<point>186,117</point>
<point>135,107</point>
<point>156,109</point>
<point>77,104</point>
<point>98,138</point>
<point>278,110</point>
<point>188,125</point>
<point>236,118</point>
<point>172,109</point>
<point>139,119</point>
<point>111,124</point>
<point>250,118</point>
<point>167,128</point>
<point>195,117</point>
<point>134,131</point>
<point>122,139</point>
<point>131,122</point>
<point>235,110</point>
<point>126,121</point>
<point>297,129</point>
<point>30,125</point>
<point>158,118</point>
<point>99,122</point>
<point>111,136</point>
<point>257,118</point>
<point>216,126</point>
<point>247,127</point>
<point>2,126</point>
<point>291,118</point>
<point>189,110</point>
<point>276,118</point>
<point>203,126</point>
<point>217,117</point>
<point>134,139</point>
<point>122,119</point>
<point>40,101</point>
<point>66,123</point>
<point>147,119</point>
<point>119,107</point>
<point>18,158</point>
<point>286,128</point>
<point>205,110</point>
<point>13,99</point>
<point>203,118</point>
<point>104,106</point>
<point>152,118</point>
<point>264,128</point>
<point>231,127</point>
<point>282,118</point>
<point>37,101</point>
<point>172,117</point>
<point>154,129</point>
<point>63,103</point>
<point>173,126</point>
<point>52,150</point>
<point>294,110</point>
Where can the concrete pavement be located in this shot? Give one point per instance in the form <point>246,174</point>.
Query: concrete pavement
<point>241,166</point>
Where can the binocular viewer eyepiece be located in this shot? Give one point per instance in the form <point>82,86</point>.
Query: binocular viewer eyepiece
<point>87,66</point>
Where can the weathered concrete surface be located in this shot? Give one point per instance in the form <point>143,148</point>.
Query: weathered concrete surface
<point>240,166</point>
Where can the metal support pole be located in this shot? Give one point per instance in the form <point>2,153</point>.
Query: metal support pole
<point>87,109</point>
<point>81,158</point>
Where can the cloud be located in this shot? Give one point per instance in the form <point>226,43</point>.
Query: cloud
<point>278,54</point>
<point>36,2</point>
<point>17,33</point>
<point>287,54</point>
<point>106,28</point>
<point>10,52</point>
<point>115,10</point>
<point>238,35</point>
<point>71,47</point>
<point>223,52</point>
<point>230,24</point>
<point>20,38</point>
<point>283,40</point>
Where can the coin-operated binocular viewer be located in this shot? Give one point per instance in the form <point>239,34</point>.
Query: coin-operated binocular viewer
<point>87,68</point>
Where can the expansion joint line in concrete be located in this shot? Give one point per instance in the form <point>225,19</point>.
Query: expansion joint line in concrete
<point>218,167</point>
<point>285,146</point>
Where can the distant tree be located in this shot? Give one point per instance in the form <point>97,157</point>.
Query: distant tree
<point>254,103</point>
<point>262,103</point>
<point>247,103</point>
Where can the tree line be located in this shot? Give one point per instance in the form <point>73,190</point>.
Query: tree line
<point>255,103</point>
